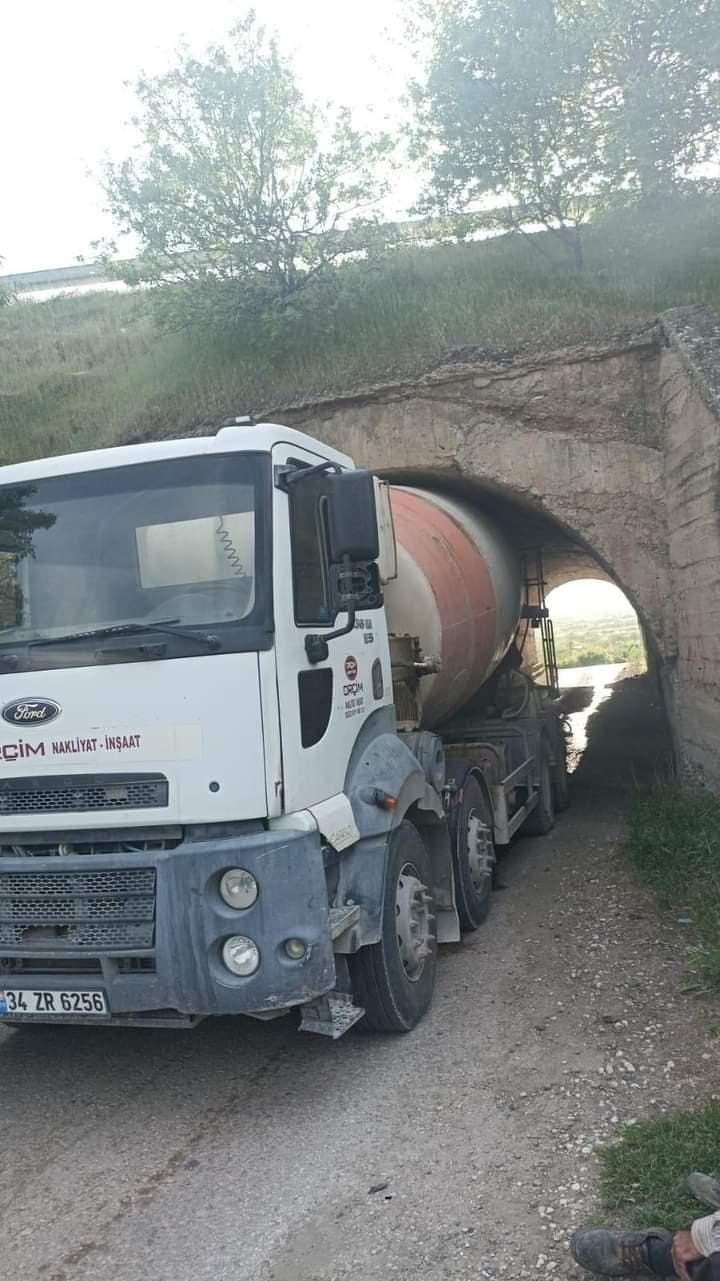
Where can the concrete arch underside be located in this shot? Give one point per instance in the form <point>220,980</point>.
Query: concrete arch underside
<point>605,455</point>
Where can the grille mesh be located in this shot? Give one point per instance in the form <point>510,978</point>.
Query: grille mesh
<point>37,911</point>
<point>91,934</point>
<point>78,909</point>
<point>35,885</point>
<point>81,794</point>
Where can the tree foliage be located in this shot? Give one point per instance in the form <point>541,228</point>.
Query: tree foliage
<point>503,113</point>
<point>656,90</point>
<point>242,195</point>
<point>553,108</point>
<point>6,294</point>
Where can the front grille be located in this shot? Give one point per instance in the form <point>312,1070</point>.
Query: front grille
<point>106,840</point>
<point>78,909</point>
<point>69,965</point>
<point>65,966</point>
<point>90,934</point>
<point>82,793</point>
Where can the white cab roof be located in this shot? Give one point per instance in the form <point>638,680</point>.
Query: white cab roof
<point>242,438</point>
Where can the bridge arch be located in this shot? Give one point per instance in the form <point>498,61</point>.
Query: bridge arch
<point>611,450</point>
<point>563,449</point>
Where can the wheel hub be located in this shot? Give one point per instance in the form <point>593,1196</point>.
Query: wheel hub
<point>414,922</point>
<point>480,851</point>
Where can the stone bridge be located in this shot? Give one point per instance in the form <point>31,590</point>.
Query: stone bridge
<point>607,454</point>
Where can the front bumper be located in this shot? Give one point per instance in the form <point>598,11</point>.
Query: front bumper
<point>182,972</point>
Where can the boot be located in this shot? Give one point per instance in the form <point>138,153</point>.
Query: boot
<point>624,1254</point>
<point>705,1188</point>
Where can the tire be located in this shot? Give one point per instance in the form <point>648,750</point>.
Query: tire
<point>542,819</point>
<point>390,981</point>
<point>560,779</point>
<point>473,854</point>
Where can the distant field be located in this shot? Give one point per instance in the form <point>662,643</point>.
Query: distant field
<point>77,371</point>
<point>610,640</point>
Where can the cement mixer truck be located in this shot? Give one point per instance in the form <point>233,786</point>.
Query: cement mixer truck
<point>264,727</point>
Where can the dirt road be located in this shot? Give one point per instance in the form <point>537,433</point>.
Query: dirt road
<point>244,1150</point>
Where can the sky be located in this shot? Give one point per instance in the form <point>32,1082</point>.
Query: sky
<point>64,102</point>
<point>588,599</point>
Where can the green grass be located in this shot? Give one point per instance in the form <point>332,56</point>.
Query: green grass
<point>581,643</point>
<point>642,1182</point>
<point>675,847</point>
<point>79,371</point>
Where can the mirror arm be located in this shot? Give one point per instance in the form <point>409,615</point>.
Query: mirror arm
<point>317,648</point>
<point>287,474</point>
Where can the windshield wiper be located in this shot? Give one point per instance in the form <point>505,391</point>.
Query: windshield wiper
<point>206,640</point>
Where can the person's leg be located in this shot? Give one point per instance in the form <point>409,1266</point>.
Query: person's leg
<point>659,1252</point>
<point>644,1254</point>
<point>706,1270</point>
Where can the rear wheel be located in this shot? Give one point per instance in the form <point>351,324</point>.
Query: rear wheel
<point>542,819</point>
<point>561,782</point>
<point>474,855</point>
<point>393,979</point>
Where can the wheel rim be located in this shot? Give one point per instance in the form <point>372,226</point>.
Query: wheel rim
<point>414,918</point>
<point>480,851</point>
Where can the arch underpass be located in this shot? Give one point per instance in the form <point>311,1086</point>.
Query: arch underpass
<point>607,455</point>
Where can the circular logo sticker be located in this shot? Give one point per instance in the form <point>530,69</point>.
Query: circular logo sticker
<point>351,668</point>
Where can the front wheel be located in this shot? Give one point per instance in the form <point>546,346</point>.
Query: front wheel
<point>393,980</point>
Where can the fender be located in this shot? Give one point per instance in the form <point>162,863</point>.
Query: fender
<point>382,764</point>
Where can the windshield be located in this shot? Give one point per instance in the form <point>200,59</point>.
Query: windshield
<point>181,541</point>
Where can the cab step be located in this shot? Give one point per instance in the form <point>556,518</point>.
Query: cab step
<point>332,1015</point>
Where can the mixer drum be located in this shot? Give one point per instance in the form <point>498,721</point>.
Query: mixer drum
<point>458,589</point>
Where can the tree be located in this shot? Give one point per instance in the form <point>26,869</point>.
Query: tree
<point>556,106</point>
<point>504,115</point>
<point>241,195</point>
<point>656,86</point>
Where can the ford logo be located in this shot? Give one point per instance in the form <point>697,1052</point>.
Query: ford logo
<point>30,711</point>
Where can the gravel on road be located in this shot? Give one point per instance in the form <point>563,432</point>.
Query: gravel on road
<point>465,1150</point>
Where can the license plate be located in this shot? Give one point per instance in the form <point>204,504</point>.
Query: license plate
<point>16,1002</point>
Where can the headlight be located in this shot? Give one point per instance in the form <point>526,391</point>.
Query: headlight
<point>241,956</point>
<point>295,949</point>
<point>238,888</point>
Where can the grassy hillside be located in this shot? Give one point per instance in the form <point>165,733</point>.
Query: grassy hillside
<point>582,643</point>
<point>78,371</point>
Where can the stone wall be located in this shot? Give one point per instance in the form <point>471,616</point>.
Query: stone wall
<point>690,392</point>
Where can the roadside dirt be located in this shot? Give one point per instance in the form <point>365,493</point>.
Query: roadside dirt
<point>465,1150</point>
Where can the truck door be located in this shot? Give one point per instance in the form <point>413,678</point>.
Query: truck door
<point>322,705</point>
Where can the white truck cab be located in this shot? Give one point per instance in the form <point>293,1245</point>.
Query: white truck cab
<point>205,806</point>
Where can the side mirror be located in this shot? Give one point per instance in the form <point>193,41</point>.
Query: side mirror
<point>352,518</point>
<point>353,541</point>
